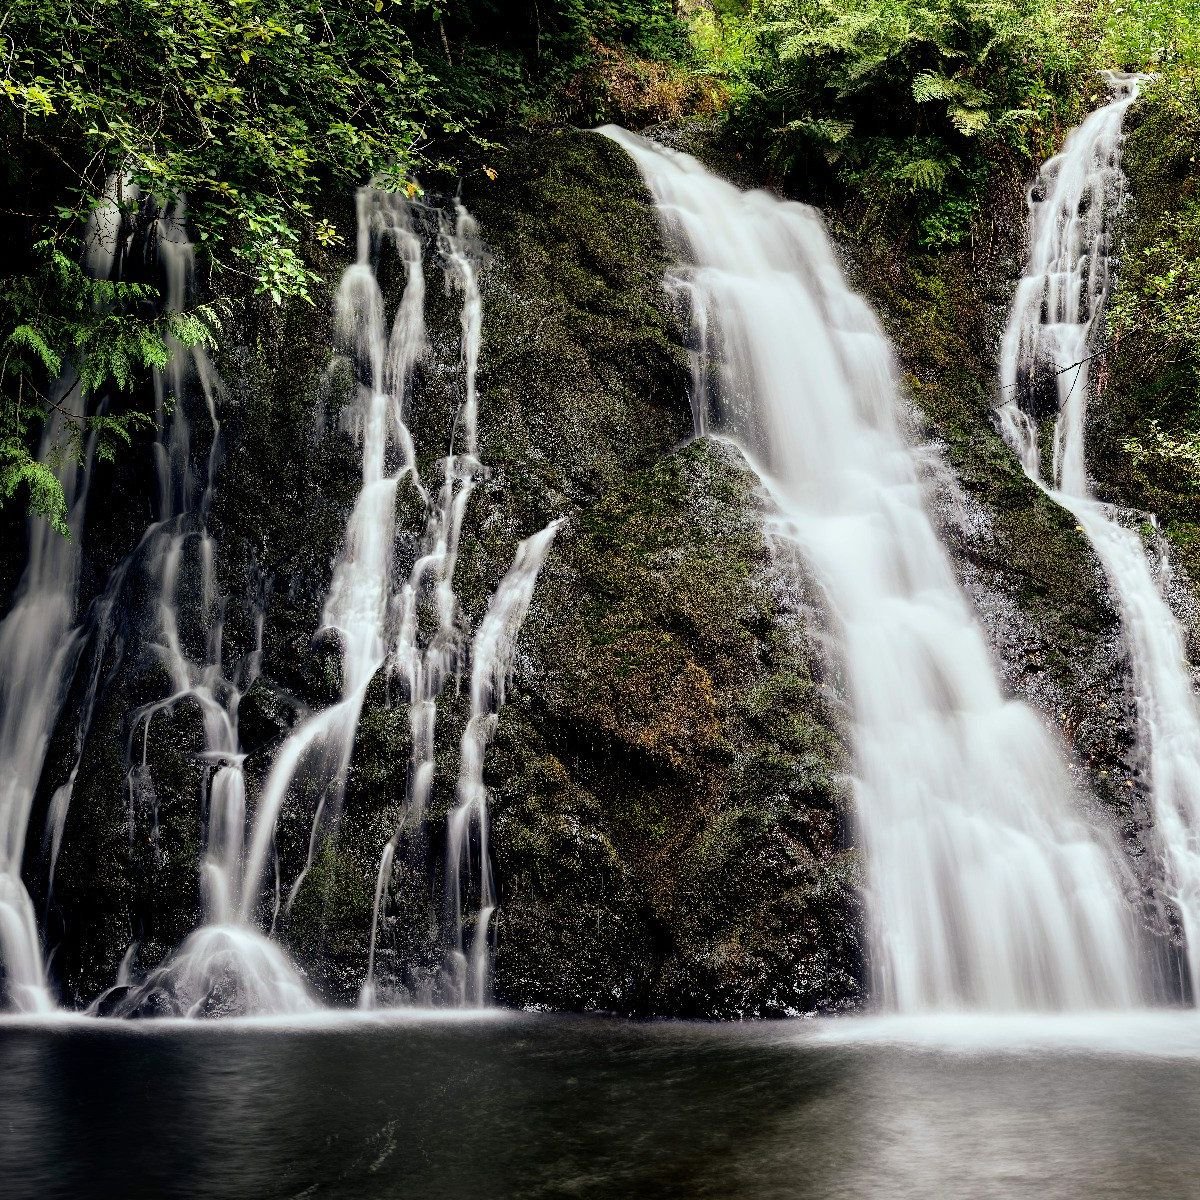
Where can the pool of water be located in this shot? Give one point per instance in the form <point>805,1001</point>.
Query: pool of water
<point>532,1106</point>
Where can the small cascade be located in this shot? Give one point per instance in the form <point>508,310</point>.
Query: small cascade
<point>1052,336</point>
<point>40,646</point>
<point>987,889</point>
<point>414,628</point>
<point>427,653</point>
<point>491,661</point>
<point>224,966</point>
<point>359,600</point>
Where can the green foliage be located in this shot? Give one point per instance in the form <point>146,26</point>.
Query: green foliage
<point>582,61</point>
<point>247,107</point>
<point>69,336</point>
<point>1154,316</point>
<point>256,112</point>
<point>908,104</point>
<point>1177,453</point>
<point>1149,34</point>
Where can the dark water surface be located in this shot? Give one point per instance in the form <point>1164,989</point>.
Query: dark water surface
<point>526,1106</point>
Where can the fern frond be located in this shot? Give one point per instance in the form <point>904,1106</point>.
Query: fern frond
<point>923,174</point>
<point>970,121</point>
<point>29,338</point>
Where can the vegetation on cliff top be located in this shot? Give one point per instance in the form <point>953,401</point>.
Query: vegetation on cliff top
<point>1149,435</point>
<point>254,109</point>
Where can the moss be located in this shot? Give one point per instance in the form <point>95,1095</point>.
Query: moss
<point>1145,384</point>
<point>690,753</point>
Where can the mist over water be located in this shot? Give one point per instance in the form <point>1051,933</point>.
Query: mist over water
<point>541,1107</point>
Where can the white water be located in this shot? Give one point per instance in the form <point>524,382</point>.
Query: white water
<point>357,606</point>
<point>1055,326</point>
<point>491,661</point>
<point>228,965</point>
<point>39,649</point>
<point>224,964</point>
<point>987,890</point>
<point>427,659</point>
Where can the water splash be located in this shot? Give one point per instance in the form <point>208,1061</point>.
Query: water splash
<point>1051,339</point>
<point>987,889</point>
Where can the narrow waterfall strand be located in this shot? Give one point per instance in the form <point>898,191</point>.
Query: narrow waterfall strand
<point>425,663</point>
<point>222,966</point>
<point>40,647</point>
<point>357,606</point>
<point>491,661</point>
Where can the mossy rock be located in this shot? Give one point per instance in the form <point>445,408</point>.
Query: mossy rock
<point>670,828</point>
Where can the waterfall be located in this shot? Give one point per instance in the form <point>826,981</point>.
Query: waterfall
<point>987,889</point>
<point>359,599</point>
<point>225,964</point>
<point>425,661</point>
<point>1052,336</point>
<point>40,646</point>
<point>491,660</point>
<point>414,628</point>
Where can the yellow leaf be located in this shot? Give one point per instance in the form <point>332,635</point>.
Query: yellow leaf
<point>490,172</point>
<point>245,56</point>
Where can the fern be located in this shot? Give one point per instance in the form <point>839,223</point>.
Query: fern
<point>923,174</point>
<point>29,338</point>
<point>970,121</point>
<point>19,469</point>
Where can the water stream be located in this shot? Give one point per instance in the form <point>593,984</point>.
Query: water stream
<point>40,646</point>
<point>1053,334</point>
<point>987,889</point>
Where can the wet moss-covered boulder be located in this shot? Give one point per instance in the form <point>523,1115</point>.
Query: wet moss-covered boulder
<point>670,827</point>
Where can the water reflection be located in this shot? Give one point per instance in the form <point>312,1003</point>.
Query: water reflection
<point>546,1108</point>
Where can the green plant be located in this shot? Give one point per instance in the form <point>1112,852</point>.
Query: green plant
<point>909,103</point>
<point>256,112</point>
<point>70,336</point>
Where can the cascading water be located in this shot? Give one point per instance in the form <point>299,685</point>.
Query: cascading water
<point>359,599</point>
<point>229,960</point>
<point>225,964</point>
<point>39,649</point>
<point>425,662</point>
<point>988,891</point>
<point>491,660</point>
<point>228,964</point>
<point>1051,337</point>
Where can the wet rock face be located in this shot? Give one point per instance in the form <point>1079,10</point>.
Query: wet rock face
<point>669,829</point>
<point>670,833</point>
<point>128,874</point>
<point>666,840</point>
<point>1147,384</point>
